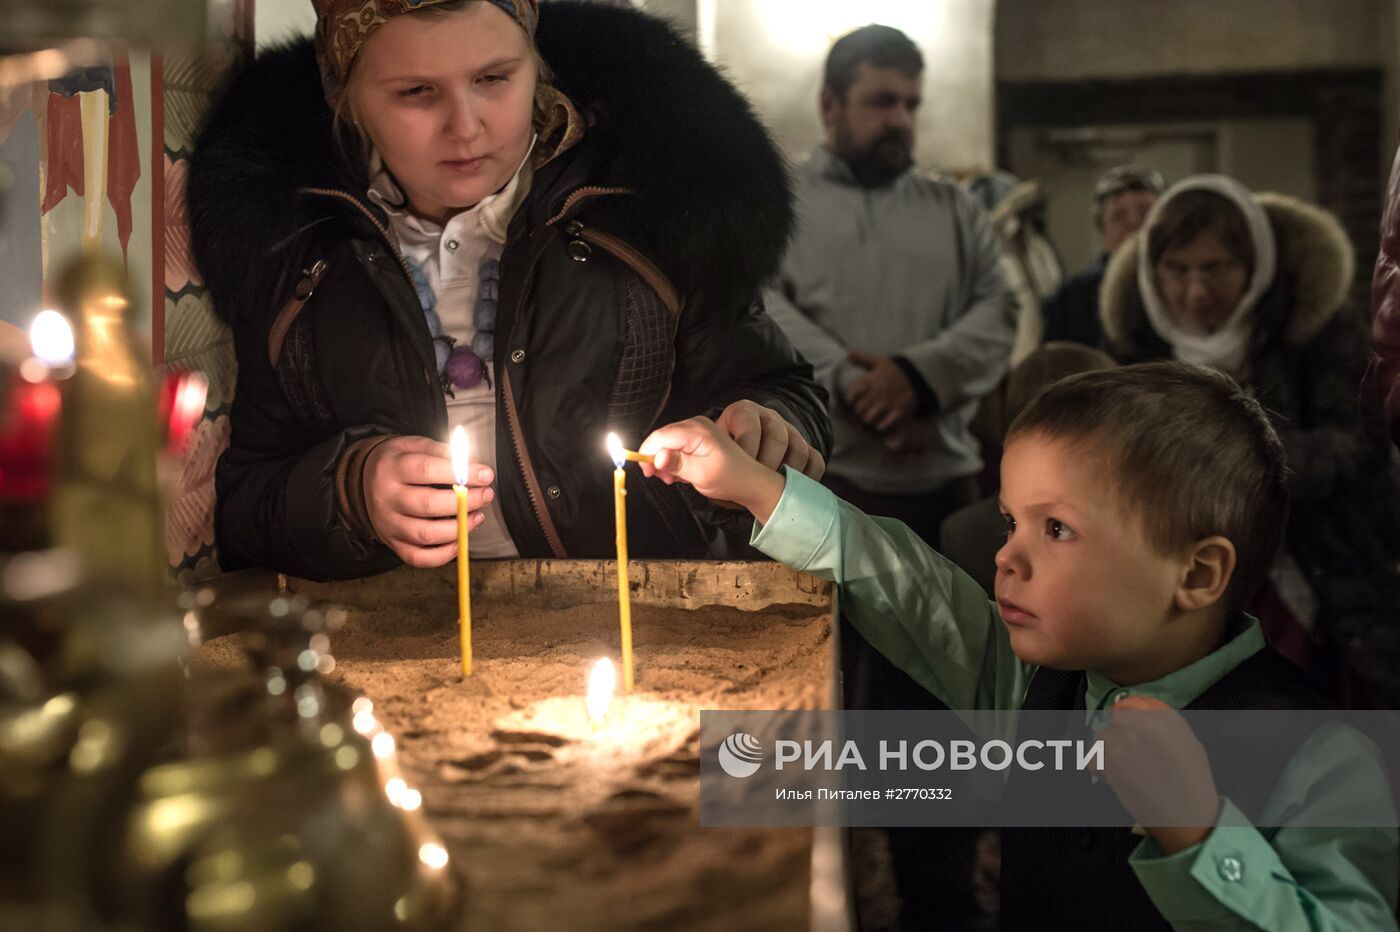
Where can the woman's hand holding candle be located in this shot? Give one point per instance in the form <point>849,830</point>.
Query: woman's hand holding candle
<point>410,502</point>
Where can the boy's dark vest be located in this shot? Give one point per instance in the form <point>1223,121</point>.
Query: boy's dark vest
<point>1062,879</point>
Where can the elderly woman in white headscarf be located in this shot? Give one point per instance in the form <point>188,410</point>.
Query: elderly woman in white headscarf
<point>1256,286</point>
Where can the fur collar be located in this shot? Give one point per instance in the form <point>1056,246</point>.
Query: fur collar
<point>712,196</point>
<point>1316,263</point>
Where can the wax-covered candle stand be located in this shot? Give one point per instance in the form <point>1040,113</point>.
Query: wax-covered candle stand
<point>557,816</point>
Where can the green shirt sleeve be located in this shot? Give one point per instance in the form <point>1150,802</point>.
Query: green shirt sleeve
<point>914,606</point>
<point>1295,878</point>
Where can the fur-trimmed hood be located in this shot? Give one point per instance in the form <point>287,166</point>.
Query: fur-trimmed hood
<point>1316,268</point>
<point>712,200</point>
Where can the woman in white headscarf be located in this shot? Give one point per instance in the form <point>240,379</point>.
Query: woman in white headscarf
<point>1256,286</point>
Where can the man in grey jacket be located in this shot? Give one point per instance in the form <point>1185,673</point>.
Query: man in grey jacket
<point>893,290</point>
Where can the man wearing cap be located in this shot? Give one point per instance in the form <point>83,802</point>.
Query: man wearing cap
<point>1122,199</point>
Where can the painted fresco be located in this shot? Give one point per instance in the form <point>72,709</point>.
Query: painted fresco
<point>188,333</point>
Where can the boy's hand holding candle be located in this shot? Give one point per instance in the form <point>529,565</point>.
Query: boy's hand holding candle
<point>698,452</point>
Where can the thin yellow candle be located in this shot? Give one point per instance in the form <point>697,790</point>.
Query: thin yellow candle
<point>460,466</point>
<point>624,596</point>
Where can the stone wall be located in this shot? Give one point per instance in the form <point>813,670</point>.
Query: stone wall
<point>1073,39</point>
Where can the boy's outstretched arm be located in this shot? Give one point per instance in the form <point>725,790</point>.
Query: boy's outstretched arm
<point>918,609</point>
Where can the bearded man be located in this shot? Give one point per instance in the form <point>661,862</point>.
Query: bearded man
<point>893,290</point>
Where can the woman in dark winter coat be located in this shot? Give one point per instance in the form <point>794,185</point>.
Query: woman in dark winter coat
<point>540,227</point>
<point>1256,285</point>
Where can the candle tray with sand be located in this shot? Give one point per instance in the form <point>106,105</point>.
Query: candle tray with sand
<point>551,821</point>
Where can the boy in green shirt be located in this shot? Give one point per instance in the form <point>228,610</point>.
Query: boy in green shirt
<point>1144,507</point>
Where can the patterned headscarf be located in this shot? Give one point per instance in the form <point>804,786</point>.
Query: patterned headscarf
<point>342,26</point>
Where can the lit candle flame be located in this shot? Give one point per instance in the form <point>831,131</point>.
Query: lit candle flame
<point>601,684</point>
<point>51,338</point>
<point>461,455</point>
<point>616,450</point>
